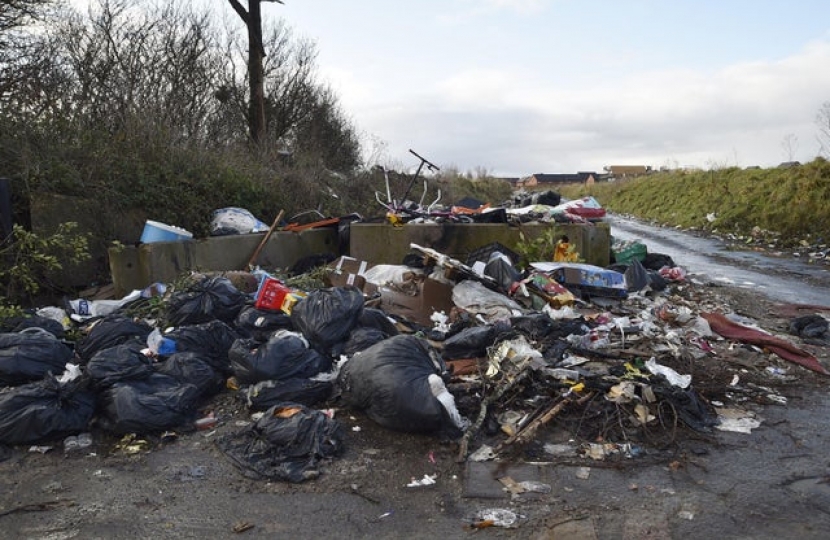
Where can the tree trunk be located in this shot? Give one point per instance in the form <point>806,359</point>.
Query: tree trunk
<point>256,75</point>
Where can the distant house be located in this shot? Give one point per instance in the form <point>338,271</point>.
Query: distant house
<point>551,181</point>
<point>789,164</point>
<point>627,171</point>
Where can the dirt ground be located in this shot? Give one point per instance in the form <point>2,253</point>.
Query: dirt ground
<point>771,483</point>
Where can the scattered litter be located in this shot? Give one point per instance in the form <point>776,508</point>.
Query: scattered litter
<point>495,517</point>
<point>583,473</point>
<point>737,420</point>
<point>484,453</point>
<point>560,449</point>
<point>683,381</point>
<point>427,480</point>
<point>526,486</point>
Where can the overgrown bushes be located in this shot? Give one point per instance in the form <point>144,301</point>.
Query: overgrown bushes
<point>791,202</point>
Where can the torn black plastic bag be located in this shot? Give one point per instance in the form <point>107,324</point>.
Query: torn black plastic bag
<point>287,443</point>
<point>656,261</point>
<point>500,267</point>
<point>154,404</point>
<point>29,355</point>
<point>211,298</point>
<point>326,316</point>
<point>111,331</point>
<point>809,326</point>
<point>44,411</point>
<point>212,340</point>
<point>398,383</point>
<point>470,342</point>
<point>637,277</point>
<point>686,404</point>
<point>266,394</point>
<point>195,369</point>
<point>285,356</point>
<point>121,363</point>
<point>259,324</point>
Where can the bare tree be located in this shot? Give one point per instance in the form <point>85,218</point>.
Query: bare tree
<point>17,63</point>
<point>252,17</point>
<point>789,144</point>
<point>823,121</point>
<point>131,69</point>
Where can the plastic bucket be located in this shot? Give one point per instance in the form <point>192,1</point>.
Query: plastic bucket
<point>155,231</point>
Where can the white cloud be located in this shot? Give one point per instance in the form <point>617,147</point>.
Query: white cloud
<point>520,123</point>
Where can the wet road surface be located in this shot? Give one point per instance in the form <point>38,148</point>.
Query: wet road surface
<point>784,279</point>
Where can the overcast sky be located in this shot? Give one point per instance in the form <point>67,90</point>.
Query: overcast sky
<point>556,86</point>
<point>518,87</point>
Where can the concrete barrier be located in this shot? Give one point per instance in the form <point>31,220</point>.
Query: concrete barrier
<point>381,243</point>
<point>135,267</point>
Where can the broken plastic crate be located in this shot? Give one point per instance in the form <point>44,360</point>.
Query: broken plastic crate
<point>274,295</point>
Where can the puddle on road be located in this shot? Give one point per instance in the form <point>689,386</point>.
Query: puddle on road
<point>780,279</point>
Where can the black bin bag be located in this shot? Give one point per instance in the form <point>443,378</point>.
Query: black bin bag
<point>289,442</point>
<point>265,394</point>
<point>211,298</point>
<point>154,404</point>
<point>193,368</point>
<point>285,356</point>
<point>212,340</point>
<point>44,411</point>
<point>398,383</point>
<point>110,331</point>
<point>259,324</point>
<point>29,355</point>
<point>326,316</point>
<point>121,363</point>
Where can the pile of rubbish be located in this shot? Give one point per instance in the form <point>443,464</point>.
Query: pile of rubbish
<point>481,354</point>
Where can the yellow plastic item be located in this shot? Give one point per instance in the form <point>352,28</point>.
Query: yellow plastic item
<point>565,252</point>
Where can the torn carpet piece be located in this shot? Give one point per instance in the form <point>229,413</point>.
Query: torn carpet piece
<point>782,348</point>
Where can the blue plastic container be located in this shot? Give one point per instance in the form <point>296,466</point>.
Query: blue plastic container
<point>155,231</point>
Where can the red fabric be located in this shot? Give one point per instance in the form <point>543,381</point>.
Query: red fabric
<point>786,350</point>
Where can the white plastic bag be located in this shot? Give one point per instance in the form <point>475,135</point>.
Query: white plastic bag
<point>235,220</point>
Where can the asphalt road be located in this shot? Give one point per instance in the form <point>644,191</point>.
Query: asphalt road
<point>771,483</point>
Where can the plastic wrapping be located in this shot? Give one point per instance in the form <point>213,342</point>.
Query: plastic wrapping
<point>476,298</point>
<point>233,220</point>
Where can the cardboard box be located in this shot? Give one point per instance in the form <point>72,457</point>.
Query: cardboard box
<point>431,296</point>
<point>348,271</point>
